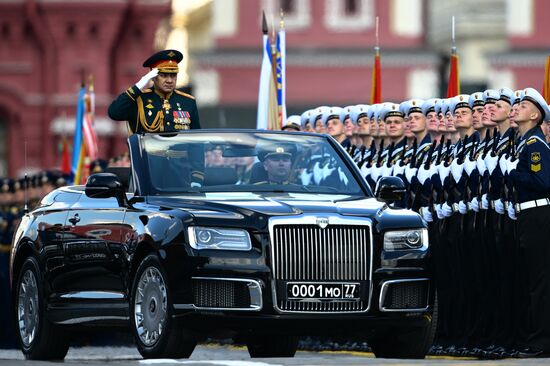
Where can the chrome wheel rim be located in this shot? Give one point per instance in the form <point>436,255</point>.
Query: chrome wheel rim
<point>150,306</point>
<point>27,308</point>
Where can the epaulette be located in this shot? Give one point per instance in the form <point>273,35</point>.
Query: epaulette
<point>146,91</point>
<point>532,140</point>
<point>185,94</point>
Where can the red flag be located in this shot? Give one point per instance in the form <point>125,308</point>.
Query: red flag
<point>453,88</point>
<point>65,158</point>
<point>546,84</point>
<point>376,91</point>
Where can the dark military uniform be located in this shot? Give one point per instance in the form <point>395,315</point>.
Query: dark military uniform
<point>153,111</point>
<point>532,182</point>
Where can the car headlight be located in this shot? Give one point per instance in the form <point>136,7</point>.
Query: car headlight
<point>405,239</point>
<point>217,238</point>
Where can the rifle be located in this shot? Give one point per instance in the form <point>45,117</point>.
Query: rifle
<point>412,159</point>
<point>390,153</point>
<point>486,147</point>
<point>440,149</point>
<point>380,151</point>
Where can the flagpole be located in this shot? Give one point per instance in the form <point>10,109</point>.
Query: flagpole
<point>453,85</point>
<point>376,88</point>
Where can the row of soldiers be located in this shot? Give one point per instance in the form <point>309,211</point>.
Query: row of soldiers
<point>476,169</point>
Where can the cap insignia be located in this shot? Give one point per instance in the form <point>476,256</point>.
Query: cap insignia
<point>171,54</point>
<point>280,150</point>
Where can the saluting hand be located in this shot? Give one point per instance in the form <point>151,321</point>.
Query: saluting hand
<point>144,81</point>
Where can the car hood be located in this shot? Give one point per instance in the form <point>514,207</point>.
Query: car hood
<point>255,209</point>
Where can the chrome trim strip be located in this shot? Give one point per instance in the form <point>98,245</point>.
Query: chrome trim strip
<point>309,219</point>
<point>93,295</point>
<point>384,290</point>
<point>254,289</point>
<point>86,319</point>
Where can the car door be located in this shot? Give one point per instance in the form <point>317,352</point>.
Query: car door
<point>93,250</point>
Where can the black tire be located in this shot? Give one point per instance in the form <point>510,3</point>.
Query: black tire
<point>264,346</point>
<point>38,338</point>
<point>174,341</point>
<point>406,343</point>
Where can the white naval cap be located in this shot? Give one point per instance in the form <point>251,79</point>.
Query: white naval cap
<point>293,121</point>
<point>359,111</point>
<point>476,100</point>
<point>316,114</point>
<point>411,106</point>
<point>534,97</point>
<point>490,96</point>
<point>460,101</point>
<point>331,113</point>
<point>390,110</point>
<point>346,113</point>
<point>429,106</point>
<point>507,95</point>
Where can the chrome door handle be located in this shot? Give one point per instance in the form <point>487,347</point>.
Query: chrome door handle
<point>73,220</point>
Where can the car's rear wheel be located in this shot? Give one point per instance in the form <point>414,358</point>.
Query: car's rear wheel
<point>39,338</point>
<point>261,346</point>
<point>406,343</point>
<point>157,334</point>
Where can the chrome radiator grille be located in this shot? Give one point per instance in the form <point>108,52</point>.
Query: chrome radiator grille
<point>309,253</point>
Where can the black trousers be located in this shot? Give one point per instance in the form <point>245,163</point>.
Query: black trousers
<point>534,237</point>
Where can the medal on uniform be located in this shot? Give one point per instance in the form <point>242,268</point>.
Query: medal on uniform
<point>166,106</point>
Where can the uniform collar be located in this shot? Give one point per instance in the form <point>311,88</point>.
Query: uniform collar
<point>162,95</point>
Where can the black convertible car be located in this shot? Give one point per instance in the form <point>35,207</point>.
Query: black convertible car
<point>256,235</point>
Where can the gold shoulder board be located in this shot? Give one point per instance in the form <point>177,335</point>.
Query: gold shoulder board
<point>185,94</point>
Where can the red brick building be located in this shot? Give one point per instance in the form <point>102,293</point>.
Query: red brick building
<point>46,47</point>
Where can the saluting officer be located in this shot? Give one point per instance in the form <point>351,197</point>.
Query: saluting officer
<point>161,108</point>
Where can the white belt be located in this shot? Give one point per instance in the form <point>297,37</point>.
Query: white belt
<point>536,203</point>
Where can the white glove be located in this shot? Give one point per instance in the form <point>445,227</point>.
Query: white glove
<point>511,164</point>
<point>474,204</point>
<point>499,207</point>
<point>491,162</point>
<point>446,210</point>
<point>484,202</point>
<point>387,170</point>
<point>145,80</point>
<point>426,214</point>
<point>439,211</point>
<point>443,171</point>
<point>462,208</point>
<point>433,170</point>
<point>375,172</point>
<point>512,212</point>
<point>423,174</point>
<point>481,168</point>
<point>410,173</point>
<point>502,164</point>
<point>398,169</point>
<point>469,166</point>
<point>456,170</point>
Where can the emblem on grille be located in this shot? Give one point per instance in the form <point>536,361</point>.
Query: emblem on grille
<point>322,222</point>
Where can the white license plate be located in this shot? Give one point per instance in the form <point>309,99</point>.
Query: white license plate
<point>309,290</point>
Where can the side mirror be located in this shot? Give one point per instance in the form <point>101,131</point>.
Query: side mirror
<point>390,189</point>
<point>105,185</point>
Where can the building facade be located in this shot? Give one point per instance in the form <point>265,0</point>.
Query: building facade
<point>47,48</point>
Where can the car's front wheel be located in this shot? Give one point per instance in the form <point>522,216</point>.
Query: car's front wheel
<point>39,338</point>
<point>262,346</point>
<point>157,334</point>
<point>407,343</point>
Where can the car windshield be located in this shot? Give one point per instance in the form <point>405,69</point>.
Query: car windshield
<point>211,161</point>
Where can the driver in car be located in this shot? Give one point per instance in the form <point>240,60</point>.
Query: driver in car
<point>277,161</point>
